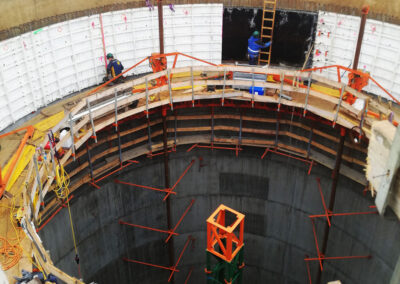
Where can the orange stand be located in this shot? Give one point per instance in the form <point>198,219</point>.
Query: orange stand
<point>227,238</point>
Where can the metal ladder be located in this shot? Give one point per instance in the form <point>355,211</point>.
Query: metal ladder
<point>267,30</point>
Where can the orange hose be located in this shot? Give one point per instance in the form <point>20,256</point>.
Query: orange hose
<point>10,254</point>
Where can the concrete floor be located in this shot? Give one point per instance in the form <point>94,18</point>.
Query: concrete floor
<point>276,194</point>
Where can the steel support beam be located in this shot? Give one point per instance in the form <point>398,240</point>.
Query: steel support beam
<point>171,255</point>
<point>160,25</point>
<point>364,10</point>
<point>335,178</point>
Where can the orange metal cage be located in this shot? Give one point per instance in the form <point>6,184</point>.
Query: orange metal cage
<point>229,244</point>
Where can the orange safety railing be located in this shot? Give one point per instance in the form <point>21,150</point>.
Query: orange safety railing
<point>3,181</point>
<point>176,54</point>
<point>357,72</point>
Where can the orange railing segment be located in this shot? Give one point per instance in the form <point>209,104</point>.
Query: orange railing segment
<point>3,181</point>
<point>360,73</point>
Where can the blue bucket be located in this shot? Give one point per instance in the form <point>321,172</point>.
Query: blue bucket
<point>256,90</point>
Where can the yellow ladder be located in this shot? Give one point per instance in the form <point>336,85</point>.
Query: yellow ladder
<point>267,30</point>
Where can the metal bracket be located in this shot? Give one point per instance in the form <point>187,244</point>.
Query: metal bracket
<point>282,77</point>
<point>240,128</point>
<point>175,126</point>
<point>147,98</point>
<point>116,110</point>
<point>35,161</point>
<point>364,111</point>
<point>149,133</point>
<point>212,125</point>
<point>309,143</point>
<point>170,89</point>
<point>53,161</point>
<point>90,162</point>
<point>339,104</point>
<point>252,86</point>
<point>277,132</point>
<point>223,88</point>
<point>119,147</point>
<point>308,93</point>
<point>71,130</point>
<point>91,121</point>
<point>191,80</point>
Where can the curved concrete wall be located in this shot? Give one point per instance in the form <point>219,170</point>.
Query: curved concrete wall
<point>276,194</point>
<point>21,16</point>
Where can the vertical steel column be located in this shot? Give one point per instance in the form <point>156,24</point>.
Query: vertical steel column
<point>252,87</point>
<point>116,110</point>
<point>310,137</point>
<point>212,127</point>
<point>282,77</point>
<point>71,132</point>
<point>160,25</point>
<point>307,95</point>
<point>277,129</point>
<point>147,98</point>
<point>117,126</point>
<point>175,127</point>
<point>149,135</point>
<point>240,127</point>
<point>53,160</point>
<point>39,182</point>
<point>90,162</point>
<point>335,178</point>
<point>364,11</point>
<point>94,136</point>
<point>223,88</point>
<point>171,101</point>
<point>167,185</point>
<point>191,80</point>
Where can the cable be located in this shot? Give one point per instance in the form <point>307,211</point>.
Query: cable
<point>62,192</point>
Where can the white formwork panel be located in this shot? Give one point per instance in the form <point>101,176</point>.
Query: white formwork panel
<point>195,30</point>
<point>335,44</point>
<point>131,35</point>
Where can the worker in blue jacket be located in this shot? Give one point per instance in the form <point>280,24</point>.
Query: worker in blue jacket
<point>114,68</point>
<point>254,47</point>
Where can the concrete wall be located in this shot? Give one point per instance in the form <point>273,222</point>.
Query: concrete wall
<point>276,194</point>
<point>19,16</point>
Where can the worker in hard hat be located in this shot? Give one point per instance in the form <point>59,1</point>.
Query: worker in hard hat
<point>114,68</point>
<point>254,46</point>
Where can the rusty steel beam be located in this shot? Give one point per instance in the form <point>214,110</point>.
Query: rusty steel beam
<point>335,179</point>
<point>171,255</point>
<point>364,11</point>
<point>160,25</point>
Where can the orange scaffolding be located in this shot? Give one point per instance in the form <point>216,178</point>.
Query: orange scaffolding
<point>169,232</point>
<point>225,240</point>
<point>173,269</point>
<point>328,214</point>
<point>165,190</point>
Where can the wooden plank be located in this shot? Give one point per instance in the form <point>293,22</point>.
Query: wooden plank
<point>344,170</point>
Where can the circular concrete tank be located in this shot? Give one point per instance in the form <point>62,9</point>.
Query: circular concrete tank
<point>275,193</point>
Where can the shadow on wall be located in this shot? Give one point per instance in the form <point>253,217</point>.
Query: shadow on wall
<point>294,34</point>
